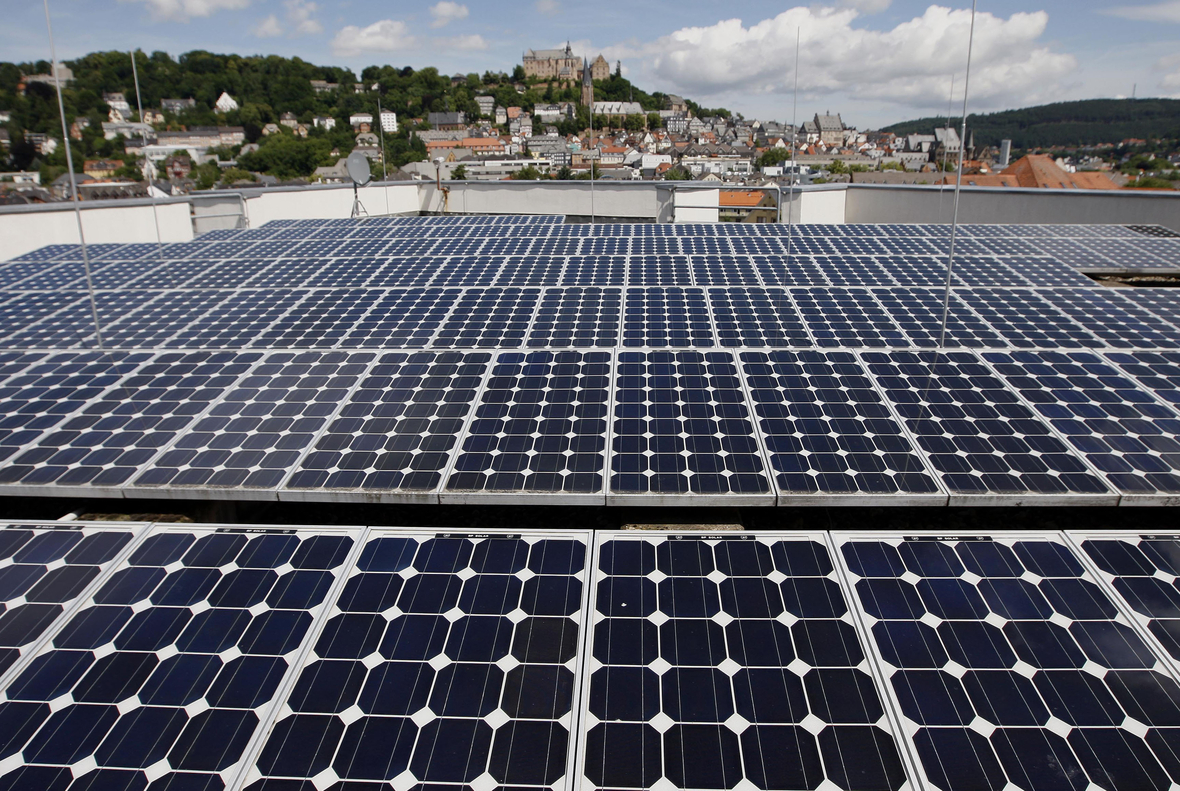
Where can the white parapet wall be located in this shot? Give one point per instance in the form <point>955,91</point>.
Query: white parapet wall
<point>696,205</point>
<point>26,228</point>
<point>322,203</point>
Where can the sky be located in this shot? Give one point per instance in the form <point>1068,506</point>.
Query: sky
<point>874,61</point>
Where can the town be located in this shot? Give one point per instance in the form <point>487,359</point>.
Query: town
<point>559,115</point>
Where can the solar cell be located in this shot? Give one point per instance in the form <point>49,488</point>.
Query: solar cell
<point>1009,664</point>
<point>1117,321</point>
<point>165,673</point>
<point>577,317</point>
<point>491,317</point>
<point>667,317</point>
<point>728,662</point>
<point>846,317</point>
<point>1025,319</point>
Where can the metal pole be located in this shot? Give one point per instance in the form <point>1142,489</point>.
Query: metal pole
<point>143,136</point>
<point>384,172</point>
<point>65,134</point>
<point>794,139</point>
<point>592,215</point>
<point>950,261</point>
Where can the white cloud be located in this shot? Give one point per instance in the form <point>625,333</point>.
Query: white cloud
<point>867,6</point>
<point>184,10</point>
<point>1168,11</point>
<point>388,35</point>
<point>299,14</point>
<point>446,12</point>
<point>910,64</point>
<point>465,43</point>
<point>268,28</point>
<point>1171,80</point>
<point>548,6</point>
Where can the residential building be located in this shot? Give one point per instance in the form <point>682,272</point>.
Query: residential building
<point>178,166</point>
<point>5,116</point>
<point>501,116</point>
<point>388,121</point>
<point>830,128</point>
<point>747,206</point>
<point>128,129</point>
<point>288,120</point>
<point>225,103</point>
<point>41,141</point>
<point>368,144</point>
<point>21,177</point>
<point>487,104</point>
<point>361,122</point>
<point>677,124</point>
<point>177,106</point>
<point>271,129</point>
<point>447,121</point>
<point>325,122</point>
<point>101,168</point>
<point>521,125</point>
<point>332,174</point>
<point>79,125</point>
<point>5,139</point>
<point>1038,171</point>
<point>675,104</point>
<point>63,74</point>
<point>618,109</point>
<point>323,86</point>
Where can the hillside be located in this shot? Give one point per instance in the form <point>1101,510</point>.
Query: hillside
<point>1087,122</point>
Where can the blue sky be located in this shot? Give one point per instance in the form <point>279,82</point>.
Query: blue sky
<point>875,61</point>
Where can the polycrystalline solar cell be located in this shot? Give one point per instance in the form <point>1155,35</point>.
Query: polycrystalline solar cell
<point>577,317</point>
<point>35,400</point>
<point>446,662</point>
<point>540,426</point>
<point>681,425</point>
<point>1011,667</point>
<point>1120,428</point>
<point>828,430</point>
<point>105,442</point>
<point>19,311</point>
<point>1117,321</point>
<point>1026,320</point>
<point>402,318</point>
<point>729,663</point>
<point>1143,571</point>
<point>919,311</point>
<point>399,428</point>
<point>977,435</point>
<point>1159,372</point>
<point>263,426</point>
<point>32,594</point>
<point>489,317</point>
<point>846,317</point>
<point>666,317</point>
<point>168,670</point>
<point>593,270</point>
<point>238,321</point>
<point>756,317</point>
<point>659,270</point>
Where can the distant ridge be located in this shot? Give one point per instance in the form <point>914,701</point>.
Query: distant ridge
<point>1088,122</point>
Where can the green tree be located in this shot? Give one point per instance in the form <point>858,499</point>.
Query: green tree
<point>527,173</point>
<point>459,173</point>
<point>838,167</point>
<point>518,73</point>
<point>677,173</point>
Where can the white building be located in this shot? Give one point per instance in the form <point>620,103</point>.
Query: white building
<point>356,120</point>
<point>120,107</point>
<point>388,121</point>
<point>325,122</point>
<point>225,103</point>
<point>487,104</point>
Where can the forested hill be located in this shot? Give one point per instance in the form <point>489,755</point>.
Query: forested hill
<point>1087,122</point>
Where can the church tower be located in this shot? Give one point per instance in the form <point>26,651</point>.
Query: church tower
<point>587,85</point>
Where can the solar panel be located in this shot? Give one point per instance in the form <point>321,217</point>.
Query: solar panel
<point>166,672</point>
<point>681,426</point>
<point>447,659</point>
<point>46,568</point>
<point>1009,664</point>
<point>728,661</point>
<point>985,443</point>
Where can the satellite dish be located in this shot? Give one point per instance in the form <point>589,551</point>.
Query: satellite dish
<point>358,169</point>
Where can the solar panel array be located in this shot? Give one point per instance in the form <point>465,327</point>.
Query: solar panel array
<point>172,657</point>
<point>485,359</point>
